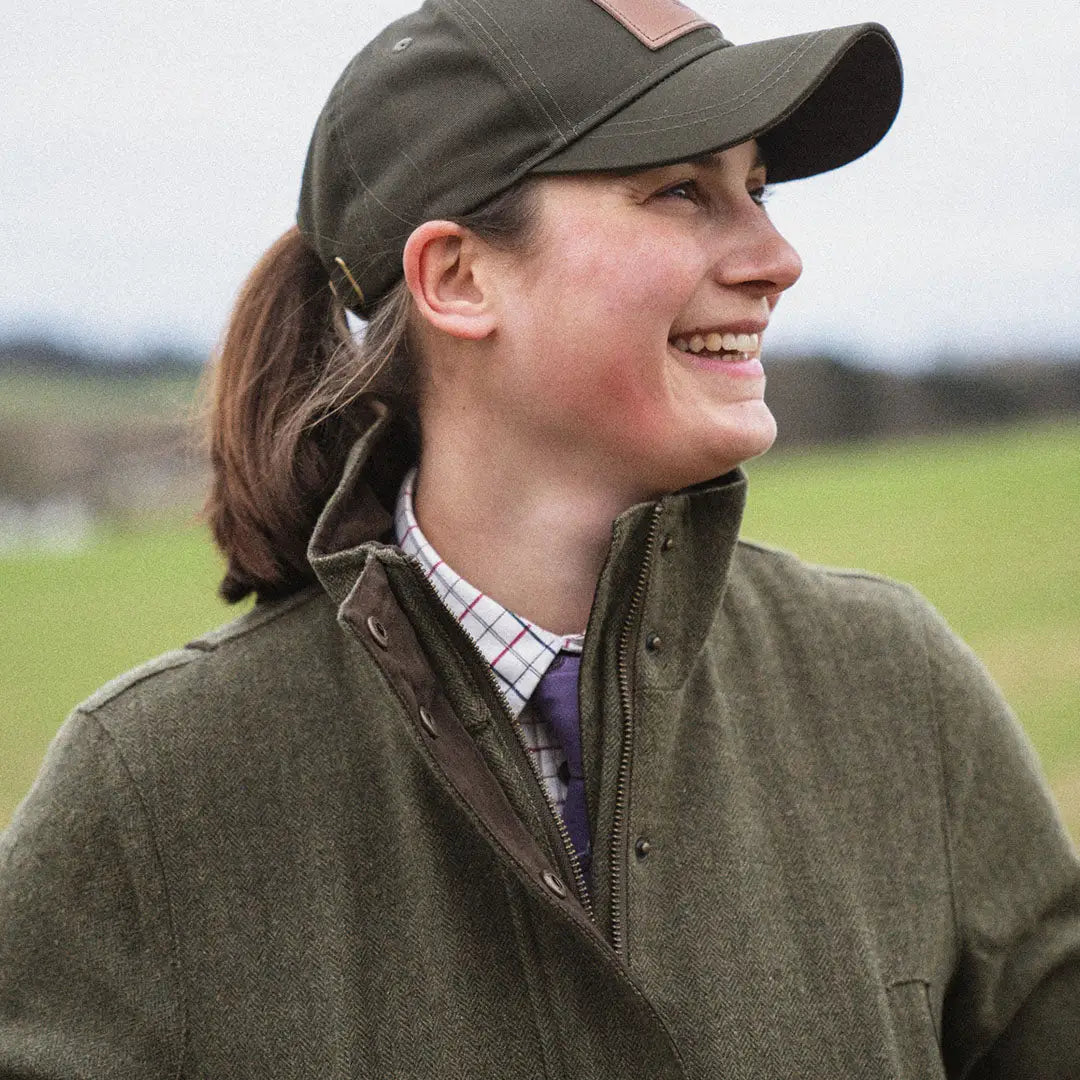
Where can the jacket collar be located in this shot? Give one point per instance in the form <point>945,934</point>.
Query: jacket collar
<point>673,554</point>
<point>359,514</point>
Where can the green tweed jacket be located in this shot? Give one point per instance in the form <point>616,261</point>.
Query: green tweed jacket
<point>311,845</point>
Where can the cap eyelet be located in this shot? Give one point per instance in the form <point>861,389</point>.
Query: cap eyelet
<point>403,44</point>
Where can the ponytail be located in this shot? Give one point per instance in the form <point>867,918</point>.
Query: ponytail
<point>282,413</point>
<point>286,395</point>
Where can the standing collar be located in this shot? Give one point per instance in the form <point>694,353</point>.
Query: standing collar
<point>686,540</point>
<point>518,651</point>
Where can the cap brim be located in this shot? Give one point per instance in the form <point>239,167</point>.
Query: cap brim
<point>814,101</point>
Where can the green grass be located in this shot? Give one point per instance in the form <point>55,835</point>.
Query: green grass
<point>71,622</point>
<point>985,525</point>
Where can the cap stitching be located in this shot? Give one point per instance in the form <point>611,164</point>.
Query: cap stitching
<point>368,192</point>
<point>646,81</point>
<point>337,149</point>
<point>751,93</point>
<point>554,100</point>
<point>478,29</point>
<point>708,111</point>
<point>692,52</point>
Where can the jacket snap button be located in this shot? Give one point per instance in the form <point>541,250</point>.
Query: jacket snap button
<point>554,884</point>
<point>667,543</point>
<point>654,643</point>
<point>427,722</point>
<point>642,847</point>
<point>377,631</point>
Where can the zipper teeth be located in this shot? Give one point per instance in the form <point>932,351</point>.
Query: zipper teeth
<point>564,834</point>
<point>618,822</point>
<point>519,732</point>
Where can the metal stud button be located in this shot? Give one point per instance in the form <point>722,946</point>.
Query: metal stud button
<point>654,643</point>
<point>427,722</point>
<point>554,884</point>
<point>642,847</point>
<point>378,632</point>
<point>667,543</point>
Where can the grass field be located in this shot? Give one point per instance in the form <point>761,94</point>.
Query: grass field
<point>985,525</point>
<point>106,397</point>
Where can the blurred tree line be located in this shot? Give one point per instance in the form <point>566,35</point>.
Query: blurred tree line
<point>116,433</point>
<point>823,399</point>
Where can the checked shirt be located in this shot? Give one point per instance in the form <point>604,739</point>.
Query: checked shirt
<point>518,651</point>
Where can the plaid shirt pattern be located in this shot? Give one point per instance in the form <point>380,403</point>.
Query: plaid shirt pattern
<point>519,652</point>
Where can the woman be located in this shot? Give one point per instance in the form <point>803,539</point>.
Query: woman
<point>618,795</point>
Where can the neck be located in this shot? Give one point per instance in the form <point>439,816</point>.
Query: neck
<point>526,534</point>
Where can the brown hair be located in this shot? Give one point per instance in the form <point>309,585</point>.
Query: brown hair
<point>286,395</point>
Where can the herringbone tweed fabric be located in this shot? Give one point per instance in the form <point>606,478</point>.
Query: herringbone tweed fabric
<point>257,857</point>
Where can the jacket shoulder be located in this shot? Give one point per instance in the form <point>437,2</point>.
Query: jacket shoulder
<point>763,570</point>
<point>238,645</point>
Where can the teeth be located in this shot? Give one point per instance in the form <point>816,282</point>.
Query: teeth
<point>716,342</point>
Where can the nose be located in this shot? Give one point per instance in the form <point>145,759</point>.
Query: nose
<point>755,258</point>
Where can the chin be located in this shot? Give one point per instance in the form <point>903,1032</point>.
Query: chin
<point>751,437</point>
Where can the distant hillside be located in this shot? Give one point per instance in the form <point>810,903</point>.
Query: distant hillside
<point>40,354</point>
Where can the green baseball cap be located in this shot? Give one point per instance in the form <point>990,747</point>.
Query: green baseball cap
<point>454,103</point>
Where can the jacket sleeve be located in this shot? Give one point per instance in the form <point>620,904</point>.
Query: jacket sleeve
<point>1012,1009</point>
<point>87,984</point>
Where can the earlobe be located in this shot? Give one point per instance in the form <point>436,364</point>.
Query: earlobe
<point>441,263</point>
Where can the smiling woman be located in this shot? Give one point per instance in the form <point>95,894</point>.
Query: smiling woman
<point>523,763</point>
<point>573,402</point>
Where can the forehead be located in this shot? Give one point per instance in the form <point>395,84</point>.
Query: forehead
<point>736,162</point>
<point>747,155</point>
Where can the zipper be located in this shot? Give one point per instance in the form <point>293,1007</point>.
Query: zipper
<point>573,861</point>
<point>618,822</point>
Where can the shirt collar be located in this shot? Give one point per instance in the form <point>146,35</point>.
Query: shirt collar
<point>518,651</point>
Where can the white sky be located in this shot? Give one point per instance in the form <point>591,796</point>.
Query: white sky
<point>151,152</point>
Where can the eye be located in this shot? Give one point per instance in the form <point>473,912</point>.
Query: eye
<point>760,195</point>
<point>684,189</point>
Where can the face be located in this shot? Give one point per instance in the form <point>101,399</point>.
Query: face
<point>629,334</point>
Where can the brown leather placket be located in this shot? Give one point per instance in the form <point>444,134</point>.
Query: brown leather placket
<point>451,751</point>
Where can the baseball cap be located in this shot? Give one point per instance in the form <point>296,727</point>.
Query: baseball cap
<point>453,103</point>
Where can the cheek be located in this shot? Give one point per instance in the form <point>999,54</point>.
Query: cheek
<point>607,344</point>
<point>618,273</point>
<point>607,396</point>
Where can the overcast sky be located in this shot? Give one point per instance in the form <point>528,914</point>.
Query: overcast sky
<point>153,151</point>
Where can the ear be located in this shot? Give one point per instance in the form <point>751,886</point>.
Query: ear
<point>444,269</point>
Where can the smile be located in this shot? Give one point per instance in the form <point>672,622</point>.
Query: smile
<point>738,344</point>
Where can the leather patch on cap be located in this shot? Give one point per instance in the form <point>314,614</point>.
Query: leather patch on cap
<point>654,22</point>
